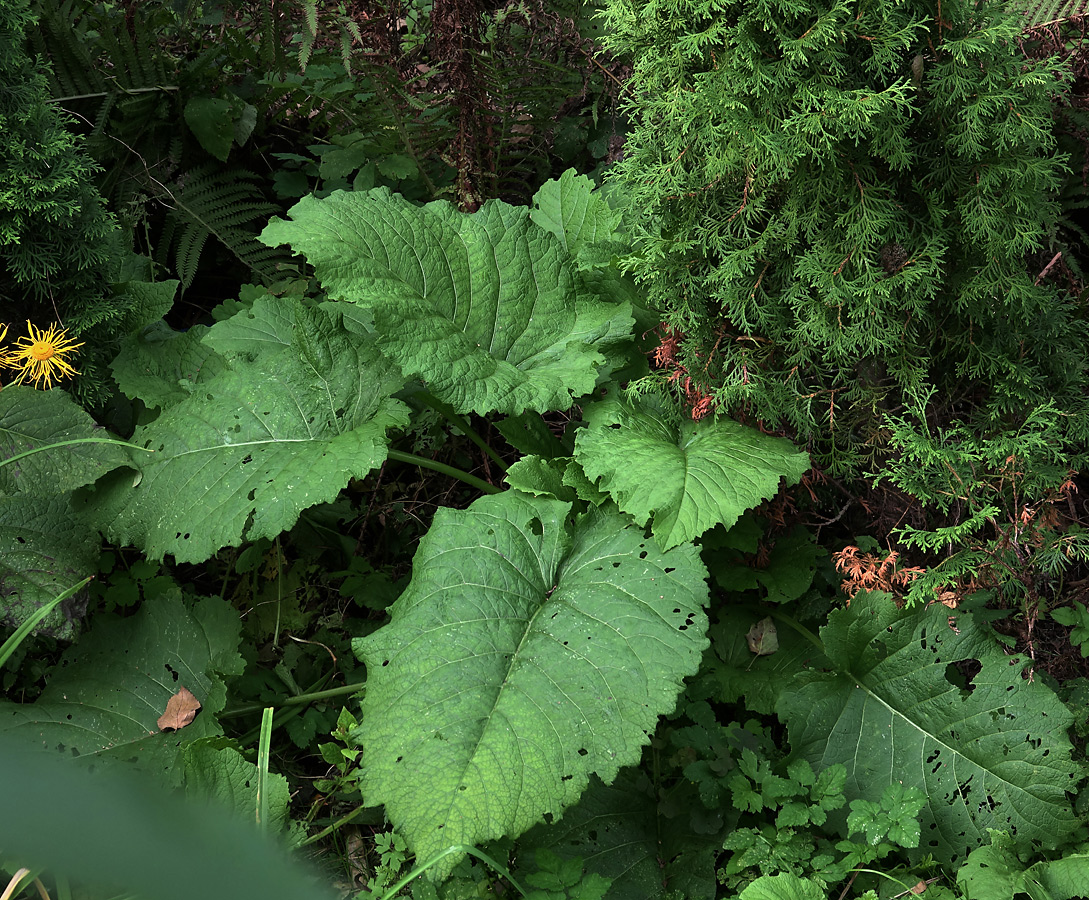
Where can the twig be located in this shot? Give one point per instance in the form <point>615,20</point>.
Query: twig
<point>1048,268</point>
<point>847,887</point>
<point>915,890</point>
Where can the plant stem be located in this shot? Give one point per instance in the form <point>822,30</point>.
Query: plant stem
<point>19,456</point>
<point>798,627</point>
<point>339,823</point>
<point>31,621</point>
<point>247,708</point>
<point>462,424</point>
<point>425,463</point>
<point>263,750</point>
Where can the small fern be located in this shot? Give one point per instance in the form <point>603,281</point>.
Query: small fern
<point>72,73</point>
<point>209,203</point>
<point>1043,13</point>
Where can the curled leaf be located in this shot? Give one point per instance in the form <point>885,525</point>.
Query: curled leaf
<point>762,637</point>
<point>181,710</point>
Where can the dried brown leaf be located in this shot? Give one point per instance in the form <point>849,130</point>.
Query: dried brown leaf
<point>181,709</point>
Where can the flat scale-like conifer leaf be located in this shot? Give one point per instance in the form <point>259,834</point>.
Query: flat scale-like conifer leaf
<point>901,705</point>
<point>527,652</point>
<point>486,308</point>
<point>102,702</point>
<point>684,479</point>
<point>245,454</point>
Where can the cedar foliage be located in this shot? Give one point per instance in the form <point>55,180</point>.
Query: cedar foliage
<point>57,239</point>
<point>839,203</point>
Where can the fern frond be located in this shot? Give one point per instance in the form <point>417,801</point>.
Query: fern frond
<point>137,60</point>
<point>1043,13</point>
<point>74,74</point>
<point>220,204</point>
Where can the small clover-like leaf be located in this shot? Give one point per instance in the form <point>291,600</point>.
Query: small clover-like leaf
<point>1076,615</point>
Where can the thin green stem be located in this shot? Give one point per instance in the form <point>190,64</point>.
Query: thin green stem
<point>424,463</point>
<point>19,456</point>
<point>329,829</point>
<point>457,848</point>
<point>31,622</point>
<point>247,708</point>
<point>884,875</point>
<point>142,90</point>
<point>798,627</point>
<point>462,424</point>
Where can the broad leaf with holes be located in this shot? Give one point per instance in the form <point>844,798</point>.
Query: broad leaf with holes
<point>281,430</point>
<point>30,420</point>
<point>103,700</point>
<point>44,549</point>
<point>685,478</point>
<point>914,699</point>
<point>162,366</point>
<point>213,770</point>
<point>487,308</point>
<point>528,651</point>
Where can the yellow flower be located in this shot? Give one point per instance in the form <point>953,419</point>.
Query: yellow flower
<point>41,357</point>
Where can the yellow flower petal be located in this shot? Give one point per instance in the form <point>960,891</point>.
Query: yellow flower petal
<point>42,356</point>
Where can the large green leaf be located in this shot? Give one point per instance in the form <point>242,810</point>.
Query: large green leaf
<point>212,120</point>
<point>989,754</point>
<point>162,366</point>
<point>996,871</point>
<point>44,550</point>
<point>253,447</point>
<point>579,216</point>
<point>31,419</point>
<point>213,770</point>
<point>104,698</point>
<point>621,833</point>
<point>784,886</point>
<point>527,653</point>
<point>486,308</point>
<point>685,478</point>
<point>268,324</point>
<point>112,832</point>
<point>736,672</point>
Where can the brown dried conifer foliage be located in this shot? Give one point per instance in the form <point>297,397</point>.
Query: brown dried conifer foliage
<point>491,87</point>
<point>456,34</point>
